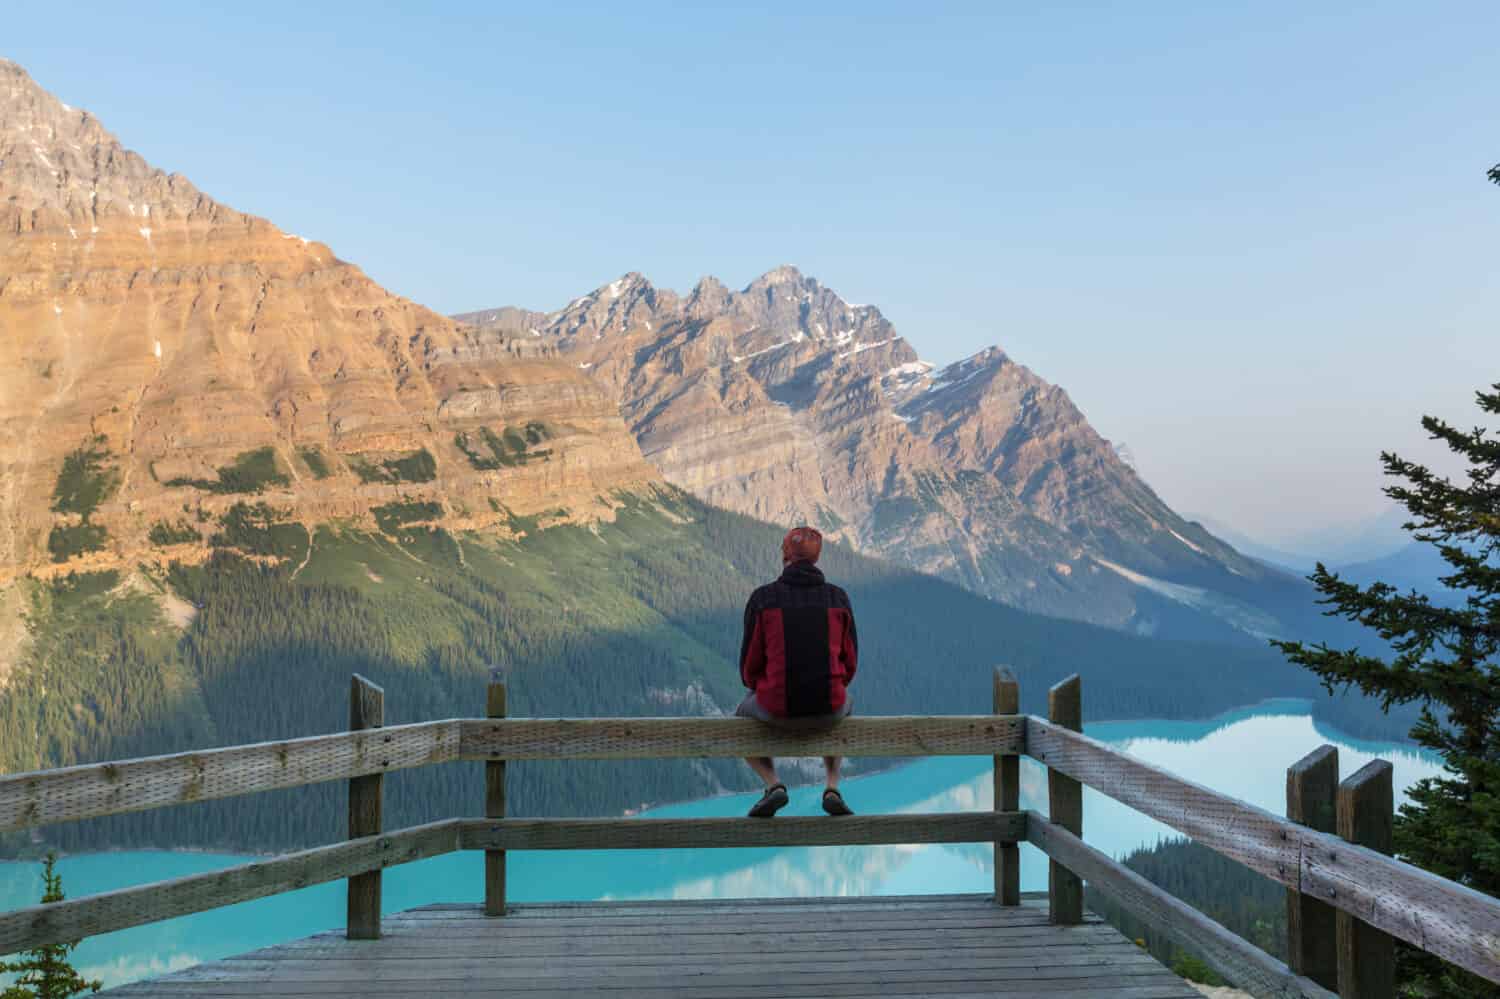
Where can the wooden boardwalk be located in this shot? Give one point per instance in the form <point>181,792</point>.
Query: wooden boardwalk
<point>953,946</point>
<point>1349,900</point>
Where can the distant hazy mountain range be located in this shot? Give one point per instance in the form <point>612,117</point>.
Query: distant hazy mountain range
<point>785,402</point>
<point>1345,544</point>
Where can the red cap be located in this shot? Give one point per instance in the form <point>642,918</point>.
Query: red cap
<point>801,544</point>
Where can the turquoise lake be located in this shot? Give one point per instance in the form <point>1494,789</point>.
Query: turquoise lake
<point>1244,753</point>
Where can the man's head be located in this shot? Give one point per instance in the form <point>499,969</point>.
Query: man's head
<point>801,544</point>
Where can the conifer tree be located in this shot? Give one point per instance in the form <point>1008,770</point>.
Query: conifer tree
<point>1444,658</point>
<point>45,973</point>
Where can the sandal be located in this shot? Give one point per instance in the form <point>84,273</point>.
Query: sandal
<point>833,803</point>
<point>770,803</point>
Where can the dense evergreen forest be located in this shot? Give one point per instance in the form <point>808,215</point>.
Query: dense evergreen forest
<point>637,617</point>
<point>1231,894</point>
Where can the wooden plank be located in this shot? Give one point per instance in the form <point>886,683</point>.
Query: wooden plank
<point>92,790</point>
<point>955,901</point>
<point>1114,962</point>
<point>1007,779</point>
<point>1239,961</point>
<point>980,946</point>
<point>366,794</point>
<point>70,793</point>
<point>792,942</point>
<point>1456,923</point>
<point>1311,785</point>
<point>1065,803</point>
<point>1367,956</point>
<point>494,804</point>
<point>1161,985</point>
<point>944,932</point>
<point>698,834</point>
<point>91,915</point>
<point>1069,962</point>
<point>678,738</point>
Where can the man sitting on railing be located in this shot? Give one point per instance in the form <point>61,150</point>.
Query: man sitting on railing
<point>798,658</point>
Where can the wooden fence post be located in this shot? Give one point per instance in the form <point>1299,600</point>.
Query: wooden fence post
<point>1366,956</point>
<point>494,804</point>
<point>366,710</point>
<point>1007,794</point>
<point>1065,804</point>
<point>1311,786</point>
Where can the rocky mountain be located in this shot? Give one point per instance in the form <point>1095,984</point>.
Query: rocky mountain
<point>785,402</point>
<point>170,360</point>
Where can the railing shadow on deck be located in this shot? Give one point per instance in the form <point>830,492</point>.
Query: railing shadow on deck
<point>1347,902</point>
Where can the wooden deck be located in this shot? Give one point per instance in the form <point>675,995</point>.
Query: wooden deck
<point>953,946</point>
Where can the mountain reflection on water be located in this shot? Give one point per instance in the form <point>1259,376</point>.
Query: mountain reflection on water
<point>1244,753</point>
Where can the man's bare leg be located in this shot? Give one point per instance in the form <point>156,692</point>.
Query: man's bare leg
<point>832,765</point>
<point>765,769</point>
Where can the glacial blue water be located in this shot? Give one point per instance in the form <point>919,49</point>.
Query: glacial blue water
<point>1244,753</point>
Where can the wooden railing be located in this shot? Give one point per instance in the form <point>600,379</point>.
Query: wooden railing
<point>1373,898</point>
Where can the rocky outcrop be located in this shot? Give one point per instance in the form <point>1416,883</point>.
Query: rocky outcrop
<point>205,358</point>
<point>786,402</point>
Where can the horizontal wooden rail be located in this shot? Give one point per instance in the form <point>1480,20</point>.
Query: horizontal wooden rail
<point>82,792</point>
<point>88,915</point>
<point>674,738</point>
<point>1239,961</point>
<point>1442,917</point>
<point>699,834</point>
<point>93,790</point>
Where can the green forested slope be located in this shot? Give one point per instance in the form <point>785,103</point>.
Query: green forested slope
<point>637,617</point>
<point>1245,903</point>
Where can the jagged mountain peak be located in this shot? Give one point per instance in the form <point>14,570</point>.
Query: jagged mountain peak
<point>784,274</point>
<point>59,163</point>
<point>785,401</point>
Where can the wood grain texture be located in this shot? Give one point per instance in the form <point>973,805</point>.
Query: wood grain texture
<point>494,803</point>
<point>1266,843</point>
<point>1240,962</point>
<point>677,738</point>
<point>1007,779</point>
<point>699,834</point>
<point>897,947</point>
<point>70,793</point>
<point>1365,815</point>
<point>1442,917</point>
<point>91,915</point>
<point>1065,802</point>
<point>366,798</point>
<point>1311,786</point>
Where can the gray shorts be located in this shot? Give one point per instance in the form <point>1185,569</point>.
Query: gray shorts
<point>752,708</point>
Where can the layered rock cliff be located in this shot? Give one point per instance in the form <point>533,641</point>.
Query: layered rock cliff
<point>786,402</point>
<point>168,359</point>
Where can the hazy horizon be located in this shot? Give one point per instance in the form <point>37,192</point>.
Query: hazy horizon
<point>1254,246</point>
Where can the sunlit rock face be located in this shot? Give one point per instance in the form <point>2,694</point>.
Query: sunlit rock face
<point>176,338</point>
<point>786,402</point>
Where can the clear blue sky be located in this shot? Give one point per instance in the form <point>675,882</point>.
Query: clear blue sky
<point>1253,244</point>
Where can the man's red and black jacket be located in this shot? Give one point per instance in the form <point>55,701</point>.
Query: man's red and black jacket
<point>800,649</point>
